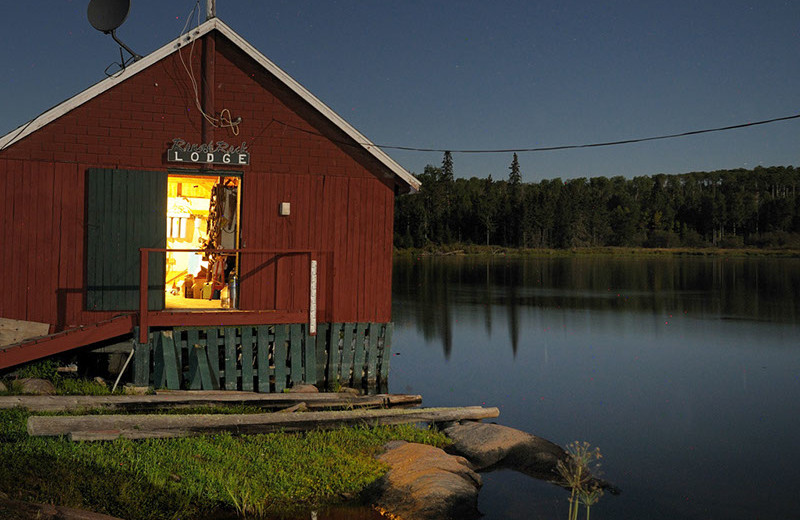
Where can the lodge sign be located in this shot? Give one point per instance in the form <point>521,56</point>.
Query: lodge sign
<point>211,153</point>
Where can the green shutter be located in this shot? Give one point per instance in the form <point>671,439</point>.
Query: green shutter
<point>126,210</point>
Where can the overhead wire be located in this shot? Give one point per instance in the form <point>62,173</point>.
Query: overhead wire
<point>546,148</point>
<point>224,120</point>
<point>593,145</point>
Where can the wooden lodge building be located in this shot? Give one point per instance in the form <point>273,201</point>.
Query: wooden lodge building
<point>205,211</point>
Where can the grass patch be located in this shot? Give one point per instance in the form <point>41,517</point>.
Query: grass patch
<point>194,478</point>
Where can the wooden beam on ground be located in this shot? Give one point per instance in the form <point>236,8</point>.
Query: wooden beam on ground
<point>189,399</point>
<point>108,427</point>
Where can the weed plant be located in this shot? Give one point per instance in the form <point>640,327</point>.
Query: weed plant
<point>578,471</point>
<point>196,477</point>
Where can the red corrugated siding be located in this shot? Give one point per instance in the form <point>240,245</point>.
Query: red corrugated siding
<point>339,206</point>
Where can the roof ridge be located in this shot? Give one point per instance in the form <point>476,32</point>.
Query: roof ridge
<point>173,46</point>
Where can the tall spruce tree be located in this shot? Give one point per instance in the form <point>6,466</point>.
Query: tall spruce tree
<point>447,167</point>
<point>514,178</point>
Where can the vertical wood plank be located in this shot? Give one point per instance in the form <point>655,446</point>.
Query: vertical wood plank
<point>72,260</point>
<point>347,354</point>
<point>359,355</point>
<point>170,360</point>
<point>386,352</point>
<point>321,350</point>
<point>262,353</point>
<point>339,223</point>
<point>280,355</point>
<point>334,355</point>
<point>230,358</point>
<point>247,358</point>
<point>372,353</point>
<point>40,194</point>
<point>310,357</point>
<point>296,356</point>
<point>212,355</point>
<point>177,337</point>
<point>141,376</point>
<point>159,377</point>
<point>27,243</point>
<point>208,380</point>
<point>193,351</point>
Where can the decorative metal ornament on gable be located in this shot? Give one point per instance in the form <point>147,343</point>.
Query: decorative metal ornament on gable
<point>208,153</point>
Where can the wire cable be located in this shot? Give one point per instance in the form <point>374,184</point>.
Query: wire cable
<point>223,121</point>
<point>543,148</point>
<point>590,145</point>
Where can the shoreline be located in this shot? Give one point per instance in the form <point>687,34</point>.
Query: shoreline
<point>491,251</point>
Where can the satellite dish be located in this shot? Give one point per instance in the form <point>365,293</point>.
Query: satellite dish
<point>107,15</point>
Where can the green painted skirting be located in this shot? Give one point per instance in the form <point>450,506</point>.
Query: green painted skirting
<point>266,358</point>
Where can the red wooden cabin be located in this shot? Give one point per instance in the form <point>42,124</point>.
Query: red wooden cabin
<point>204,144</point>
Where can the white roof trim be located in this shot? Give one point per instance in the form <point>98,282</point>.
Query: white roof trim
<point>200,31</point>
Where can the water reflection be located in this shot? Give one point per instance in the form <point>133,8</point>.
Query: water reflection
<point>685,371</point>
<point>435,293</point>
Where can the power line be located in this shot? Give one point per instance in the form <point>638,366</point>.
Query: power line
<point>590,145</point>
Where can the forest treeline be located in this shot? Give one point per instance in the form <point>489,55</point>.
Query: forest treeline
<point>725,208</point>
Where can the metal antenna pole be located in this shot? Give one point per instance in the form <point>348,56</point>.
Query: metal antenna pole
<point>211,9</point>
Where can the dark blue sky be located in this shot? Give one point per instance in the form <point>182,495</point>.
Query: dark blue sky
<point>479,75</point>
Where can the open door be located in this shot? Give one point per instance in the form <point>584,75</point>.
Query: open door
<point>202,213</point>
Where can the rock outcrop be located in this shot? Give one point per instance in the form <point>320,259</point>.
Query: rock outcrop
<point>424,483</point>
<point>493,446</point>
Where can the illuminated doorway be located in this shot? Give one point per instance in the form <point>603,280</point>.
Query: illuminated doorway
<point>202,213</point>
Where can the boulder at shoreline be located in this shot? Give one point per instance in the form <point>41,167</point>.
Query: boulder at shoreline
<point>425,483</point>
<point>493,446</point>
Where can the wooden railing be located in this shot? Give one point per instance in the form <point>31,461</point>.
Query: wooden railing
<point>144,258</point>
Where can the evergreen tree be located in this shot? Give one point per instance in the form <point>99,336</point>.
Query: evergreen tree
<point>758,207</point>
<point>514,178</point>
<point>447,167</point>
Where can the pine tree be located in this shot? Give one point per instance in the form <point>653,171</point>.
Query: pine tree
<point>447,167</point>
<point>514,177</point>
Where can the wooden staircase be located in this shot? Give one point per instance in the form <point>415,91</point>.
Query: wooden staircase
<point>43,346</point>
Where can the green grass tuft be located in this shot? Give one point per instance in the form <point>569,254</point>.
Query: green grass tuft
<point>191,478</point>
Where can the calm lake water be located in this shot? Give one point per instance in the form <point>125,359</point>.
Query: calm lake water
<point>685,372</point>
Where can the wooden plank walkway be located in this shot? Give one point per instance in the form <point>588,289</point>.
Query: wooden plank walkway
<point>169,399</point>
<point>109,427</point>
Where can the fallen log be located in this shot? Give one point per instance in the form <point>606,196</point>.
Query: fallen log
<point>192,399</point>
<point>104,427</point>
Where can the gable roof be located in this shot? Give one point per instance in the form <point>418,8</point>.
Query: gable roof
<point>185,39</point>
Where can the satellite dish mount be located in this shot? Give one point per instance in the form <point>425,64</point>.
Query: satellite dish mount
<point>107,15</point>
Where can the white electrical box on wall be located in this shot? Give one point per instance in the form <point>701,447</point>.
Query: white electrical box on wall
<point>285,209</point>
